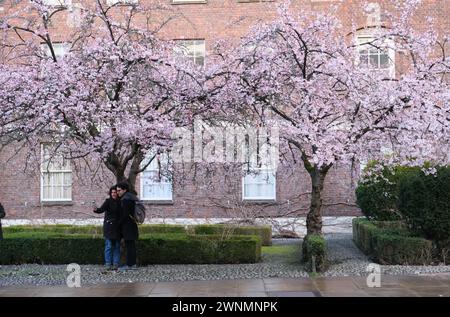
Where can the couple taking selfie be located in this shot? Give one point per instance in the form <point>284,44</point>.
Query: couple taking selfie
<point>119,223</point>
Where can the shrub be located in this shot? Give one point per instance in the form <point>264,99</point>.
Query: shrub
<point>179,248</point>
<point>94,230</point>
<point>377,193</point>
<point>161,228</point>
<point>265,232</point>
<point>389,242</point>
<point>397,249</point>
<point>424,200</point>
<point>314,253</point>
<point>61,229</point>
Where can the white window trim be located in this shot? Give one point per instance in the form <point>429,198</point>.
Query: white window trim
<point>64,46</point>
<point>266,198</point>
<point>391,52</point>
<point>141,189</point>
<point>42,182</point>
<point>204,50</point>
<point>113,2</point>
<point>57,3</point>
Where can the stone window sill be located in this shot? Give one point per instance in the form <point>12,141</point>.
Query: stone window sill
<point>158,202</point>
<point>56,203</point>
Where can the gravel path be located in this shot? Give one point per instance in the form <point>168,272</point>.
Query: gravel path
<point>40,275</point>
<point>346,260</point>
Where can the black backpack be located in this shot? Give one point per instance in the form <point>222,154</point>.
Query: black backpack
<point>139,212</point>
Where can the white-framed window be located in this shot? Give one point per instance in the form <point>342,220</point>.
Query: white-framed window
<point>259,184</point>
<point>56,176</point>
<point>195,50</point>
<point>57,3</point>
<point>188,1</point>
<point>378,58</point>
<point>259,179</point>
<point>155,180</point>
<point>60,49</point>
<point>112,2</point>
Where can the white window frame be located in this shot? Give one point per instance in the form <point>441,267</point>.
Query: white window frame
<point>45,170</point>
<point>57,3</point>
<point>196,53</point>
<point>60,49</point>
<point>113,2</point>
<point>149,168</point>
<point>188,1</point>
<point>257,171</point>
<point>390,71</point>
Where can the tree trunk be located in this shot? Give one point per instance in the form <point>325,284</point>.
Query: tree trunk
<point>314,217</point>
<point>118,169</point>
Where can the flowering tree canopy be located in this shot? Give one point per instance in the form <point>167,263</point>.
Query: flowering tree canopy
<point>117,92</point>
<point>306,73</point>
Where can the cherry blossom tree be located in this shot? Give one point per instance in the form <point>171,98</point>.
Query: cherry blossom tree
<point>305,72</point>
<point>114,97</point>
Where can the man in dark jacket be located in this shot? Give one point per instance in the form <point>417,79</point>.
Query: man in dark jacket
<point>2,215</point>
<point>111,208</point>
<point>127,226</point>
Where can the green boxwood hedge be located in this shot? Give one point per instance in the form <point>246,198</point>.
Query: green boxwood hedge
<point>265,232</point>
<point>155,248</point>
<point>377,195</point>
<point>314,246</point>
<point>388,242</point>
<point>424,201</point>
<point>93,230</point>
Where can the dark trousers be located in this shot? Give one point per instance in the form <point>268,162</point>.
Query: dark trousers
<point>130,245</point>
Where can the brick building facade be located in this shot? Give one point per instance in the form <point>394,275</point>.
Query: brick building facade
<point>200,24</point>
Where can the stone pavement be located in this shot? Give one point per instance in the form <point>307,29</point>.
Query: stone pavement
<point>391,286</point>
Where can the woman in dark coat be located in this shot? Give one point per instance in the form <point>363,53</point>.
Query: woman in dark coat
<point>111,208</point>
<point>2,215</point>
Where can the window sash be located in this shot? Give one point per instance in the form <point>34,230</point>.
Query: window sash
<point>376,59</point>
<point>56,177</point>
<point>194,50</point>
<point>60,49</point>
<point>56,186</point>
<point>57,3</point>
<point>113,2</point>
<point>153,185</point>
<point>259,184</point>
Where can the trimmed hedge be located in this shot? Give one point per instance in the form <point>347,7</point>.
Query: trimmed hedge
<point>391,243</point>
<point>424,201</point>
<point>315,246</point>
<point>377,195</point>
<point>265,232</point>
<point>175,248</point>
<point>93,230</point>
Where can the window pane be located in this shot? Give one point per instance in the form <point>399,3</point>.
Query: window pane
<point>384,61</point>
<point>56,176</point>
<point>260,185</point>
<point>193,49</point>
<point>155,184</point>
<point>373,60</point>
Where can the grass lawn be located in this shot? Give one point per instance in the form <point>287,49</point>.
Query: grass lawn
<point>287,254</point>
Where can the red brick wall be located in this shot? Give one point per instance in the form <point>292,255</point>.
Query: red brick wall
<point>229,19</point>
<point>196,193</point>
